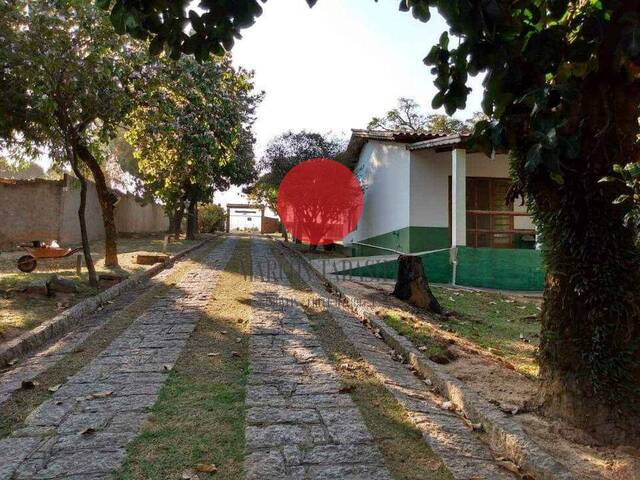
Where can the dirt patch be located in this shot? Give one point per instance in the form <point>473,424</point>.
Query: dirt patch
<point>579,452</point>
<point>492,375</point>
<point>26,311</point>
<point>489,366</point>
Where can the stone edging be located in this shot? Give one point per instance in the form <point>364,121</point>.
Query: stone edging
<point>62,323</point>
<point>504,435</point>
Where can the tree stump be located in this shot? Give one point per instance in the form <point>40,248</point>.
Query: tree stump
<point>412,285</point>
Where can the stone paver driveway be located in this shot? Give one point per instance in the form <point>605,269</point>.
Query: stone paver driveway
<point>83,430</point>
<point>300,422</point>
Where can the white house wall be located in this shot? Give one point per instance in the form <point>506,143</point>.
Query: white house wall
<point>383,171</point>
<point>429,176</point>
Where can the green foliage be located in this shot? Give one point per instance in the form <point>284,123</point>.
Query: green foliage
<point>191,131</point>
<point>211,217</point>
<point>282,154</point>
<point>65,76</point>
<point>628,178</point>
<point>213,31</point>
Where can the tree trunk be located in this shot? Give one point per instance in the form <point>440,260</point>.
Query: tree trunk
<point>192,219</point>
<point>590,348</point>
<point>412,284</point>
<point>589,356</point>
<point>107,201</point>
<point>175,219</point>
<point>93,279</point>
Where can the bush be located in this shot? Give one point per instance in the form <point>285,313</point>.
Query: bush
<point>210,218</point>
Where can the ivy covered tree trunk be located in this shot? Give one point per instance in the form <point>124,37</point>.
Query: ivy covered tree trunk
<point>590,349</point>
<point>106,200</point>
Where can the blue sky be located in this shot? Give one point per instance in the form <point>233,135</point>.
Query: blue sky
<point>333,67</point>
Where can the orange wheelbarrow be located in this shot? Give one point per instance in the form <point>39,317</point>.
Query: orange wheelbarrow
<point>37,250</point>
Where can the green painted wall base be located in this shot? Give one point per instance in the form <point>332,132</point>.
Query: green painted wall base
<point>408,240</point>
<point>503,269</point>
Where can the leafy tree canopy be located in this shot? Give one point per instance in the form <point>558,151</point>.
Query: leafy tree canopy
<point>213,31</point>
<point>191,133</point>
<point>285,152</point>
<point>408,116</point>
<point>64,74</point>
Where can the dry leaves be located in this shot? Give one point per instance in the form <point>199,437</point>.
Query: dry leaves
<point>206,468</point>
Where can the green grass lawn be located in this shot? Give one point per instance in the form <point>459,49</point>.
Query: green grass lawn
<point>504,325</point>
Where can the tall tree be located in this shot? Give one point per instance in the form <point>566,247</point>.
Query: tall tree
<point>191,134</point>
<point>68,79</point>
<point>562,87</point>
<point>284,152</point>
<point>408,116</point>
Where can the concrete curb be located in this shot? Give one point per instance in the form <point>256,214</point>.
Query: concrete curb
<point>504,435</point>
<point>62,323</point>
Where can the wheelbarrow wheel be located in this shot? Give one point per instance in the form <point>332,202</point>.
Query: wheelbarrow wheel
<point>27,263</point>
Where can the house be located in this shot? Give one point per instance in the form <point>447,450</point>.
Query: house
<point>430,194</point>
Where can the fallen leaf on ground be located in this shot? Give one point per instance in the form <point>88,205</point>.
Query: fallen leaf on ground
<point>206,468</point>
<point>508,465</point>
<point>54,388</point>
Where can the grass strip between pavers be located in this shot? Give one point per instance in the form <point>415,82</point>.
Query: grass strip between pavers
<point>23,401</point>
<point>405,453</point>
<point>199,417</point>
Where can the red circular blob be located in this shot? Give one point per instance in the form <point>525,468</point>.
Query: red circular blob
<point>319,201</point>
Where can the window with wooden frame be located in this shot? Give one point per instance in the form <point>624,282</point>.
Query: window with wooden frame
<point>487,225</point>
